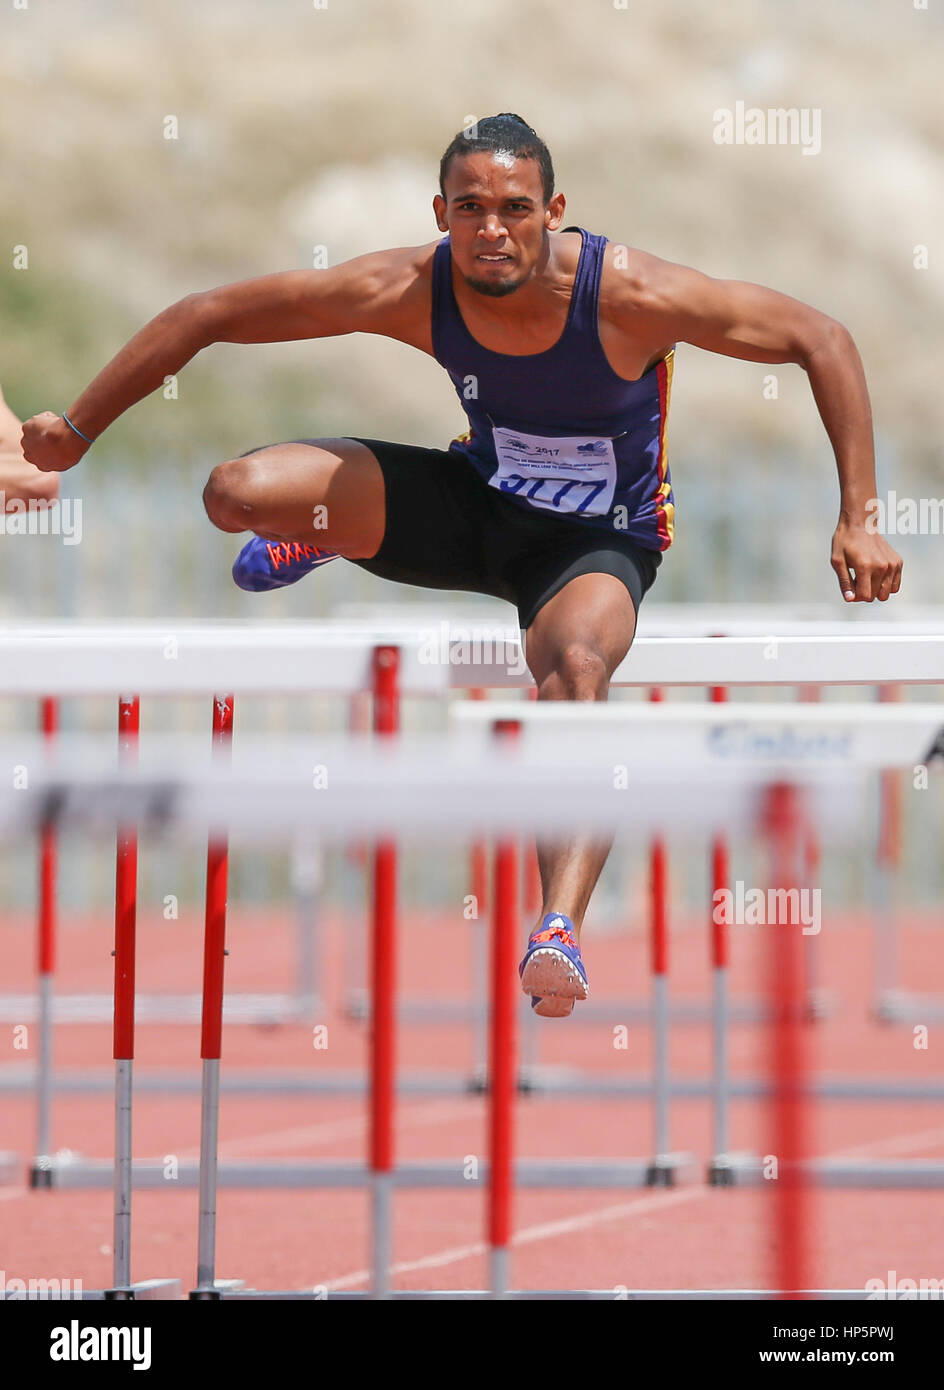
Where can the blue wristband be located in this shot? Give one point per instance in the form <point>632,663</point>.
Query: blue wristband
<point>77,431</point>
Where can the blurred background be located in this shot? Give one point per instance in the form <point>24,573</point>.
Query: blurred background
<point>300,127</point>
<point>301,132</point>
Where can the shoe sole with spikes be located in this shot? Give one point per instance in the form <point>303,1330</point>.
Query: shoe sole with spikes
<point>553,982</point>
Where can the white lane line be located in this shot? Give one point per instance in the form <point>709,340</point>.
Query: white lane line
<point>918,1142</point>
<point>410,1116</point>
<point>545,1231</point>
<point>354,1126</point>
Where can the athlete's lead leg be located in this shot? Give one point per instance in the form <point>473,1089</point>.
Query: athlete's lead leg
<point>324,492</point>
<point>573,647</point>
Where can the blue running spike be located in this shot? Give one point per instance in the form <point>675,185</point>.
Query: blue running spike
<point>262,564</point>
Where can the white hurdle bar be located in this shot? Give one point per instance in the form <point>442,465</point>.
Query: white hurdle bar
<point>79,785</point>
<point>445,786</point>
<point>187,659</point>
<point>197,802</point>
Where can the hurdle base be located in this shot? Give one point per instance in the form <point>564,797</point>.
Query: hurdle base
<point>907,1006</point>
<point>553,1295</point>
<point>98,1174</point>
<point>748,1170</point>
<point>533,1080</point>
<point>528,1082</point>
<point>817,1005</point>
<point>40,1173</point>
<point>222,1288</point>
<point>666,1170</point>
<point>724,1168</point>
<point>144,1290</point>
<point>9,1166</point>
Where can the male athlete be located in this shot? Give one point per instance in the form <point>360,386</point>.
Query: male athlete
<point>558,499</point>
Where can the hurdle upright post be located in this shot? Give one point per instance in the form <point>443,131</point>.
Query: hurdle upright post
<point>49,723</point>
<point>211,1035</point>
<point>502,1068</point>
<point>478,854</point>
<point>126,893</point>
<point>815,1001</point>
<point>660,1172</point>
<point>784,826</point>
<point>886,1002</point>
<point>720,949</point>
<point>478,882</point>
<point>383,987</point>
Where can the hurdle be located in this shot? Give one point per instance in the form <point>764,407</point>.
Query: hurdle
<point>909,722</point>
<point>404,786</point>
<point>49,1008</point>
<point>886,737</point>
<point>757,634</point>
<point>341,643</point>
<point>747,660</point>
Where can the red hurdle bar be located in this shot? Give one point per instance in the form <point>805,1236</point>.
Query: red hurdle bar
<point>533,891</point>
<point>211,1033</point>
<point>720,961</point>
<point>478,854</point>
<point>383,986</point>
<point>503,1061</point>
<point>126,891</point>
<point>49,724</point>
<point>788,1060</point>
<point>814,999</point>
<point>886,963</point>
<point>659,946</point>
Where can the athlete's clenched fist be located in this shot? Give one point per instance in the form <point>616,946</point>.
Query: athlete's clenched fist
<point>50,444</point>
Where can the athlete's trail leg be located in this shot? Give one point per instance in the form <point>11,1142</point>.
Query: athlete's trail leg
<point>573,647</point>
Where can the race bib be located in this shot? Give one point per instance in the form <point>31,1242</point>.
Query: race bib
<point>573,473</point>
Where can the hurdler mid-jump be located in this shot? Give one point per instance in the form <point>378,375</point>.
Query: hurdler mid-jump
<point>560,346</point>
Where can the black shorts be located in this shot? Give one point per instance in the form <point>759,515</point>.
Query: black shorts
<point>447,529</point>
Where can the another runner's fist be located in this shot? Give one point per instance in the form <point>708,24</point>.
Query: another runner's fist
<point>49,444</point>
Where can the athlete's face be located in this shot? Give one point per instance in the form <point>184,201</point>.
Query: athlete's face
<point>497,220</point>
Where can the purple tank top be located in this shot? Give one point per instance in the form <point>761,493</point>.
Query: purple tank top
<point>559,431</point>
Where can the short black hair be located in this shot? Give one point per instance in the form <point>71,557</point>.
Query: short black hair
<point>503,132</point>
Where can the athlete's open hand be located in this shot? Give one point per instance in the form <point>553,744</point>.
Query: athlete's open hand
<point>865,564</point>
<point>48,443</point>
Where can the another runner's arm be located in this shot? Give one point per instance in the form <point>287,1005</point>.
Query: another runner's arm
<point>370,294</point>
<point>673,303</point>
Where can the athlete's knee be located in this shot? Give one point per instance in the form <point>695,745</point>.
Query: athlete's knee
<point>579,673</point>
<point>233,494</point>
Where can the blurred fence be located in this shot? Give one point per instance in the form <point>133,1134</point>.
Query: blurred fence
<point>147,551</point>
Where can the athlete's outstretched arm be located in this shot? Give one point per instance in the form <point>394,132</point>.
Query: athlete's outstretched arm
<point>370,294</point>
<point>742,320</point>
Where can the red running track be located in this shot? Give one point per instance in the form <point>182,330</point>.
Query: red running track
<point>691,1237</point>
